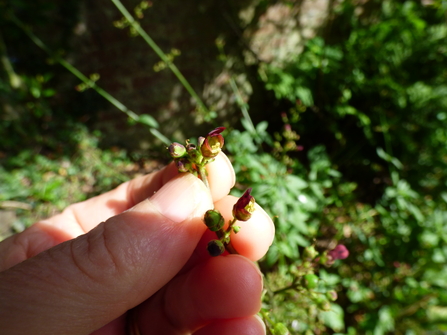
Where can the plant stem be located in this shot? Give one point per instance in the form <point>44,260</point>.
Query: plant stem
<point>290,287</point>
<point>244,107</point>
<point>223,235</point>
<point>160,53</point>
<point>202,174</point>
<point>83,78</point>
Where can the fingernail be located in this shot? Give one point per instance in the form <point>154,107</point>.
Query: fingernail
<point>183,197</point>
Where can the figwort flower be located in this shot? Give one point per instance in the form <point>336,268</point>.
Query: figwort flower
<point>176,150</point>
<point>339,252</point>
<point>213,143</point>
<point>244,207</point>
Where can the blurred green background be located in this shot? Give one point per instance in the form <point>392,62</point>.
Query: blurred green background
<point>337,117</point>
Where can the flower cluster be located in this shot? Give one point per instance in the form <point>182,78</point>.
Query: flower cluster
<point>193,158</point>
<point>242,211</point>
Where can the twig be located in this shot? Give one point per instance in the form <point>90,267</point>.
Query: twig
<point>160,53</point>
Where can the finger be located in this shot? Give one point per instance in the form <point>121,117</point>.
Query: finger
<point>85,215</point>
<point>89,281</point>
<point>221,288</point>
<point>255,236</point>
<point>252,325</point>
<point>252,241</point>
<point>221,176</point>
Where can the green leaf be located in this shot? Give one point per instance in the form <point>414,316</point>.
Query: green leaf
<point>148,120</point>
<point>386,157</point>
<point>334,318</point>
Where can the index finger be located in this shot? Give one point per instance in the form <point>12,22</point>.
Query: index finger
<point>82,217</point>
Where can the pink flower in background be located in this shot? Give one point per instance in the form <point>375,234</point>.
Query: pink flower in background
<point>339,252</point>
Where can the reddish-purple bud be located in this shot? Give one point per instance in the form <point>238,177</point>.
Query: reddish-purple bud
<point>183,165</point>
<point>213,143</point>
<point>244,207</point>
<point>339,252</point>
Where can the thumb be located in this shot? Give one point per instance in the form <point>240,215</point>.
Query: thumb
<point>83,284</point>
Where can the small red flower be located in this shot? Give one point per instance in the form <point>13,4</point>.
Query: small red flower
<point>339,252</point>
<point>213,143</point>
<point>244,207</point>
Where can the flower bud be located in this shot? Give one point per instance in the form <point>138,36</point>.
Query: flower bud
<point>176,150</point>
<point>339,252</point>
<point>244,207</point>
<point>324,258</point>
<point>236,229</point>
<point>307,265</point>
<point>215,248</point>
<point>311,281</point>
<point>214,220</point>
<point>213,143</point>
<point>325,306</point>
<point>310,252</point>
<point>183,165</point>
<point>194,154</point>
<point>332,295</point>
<point>280,329</point>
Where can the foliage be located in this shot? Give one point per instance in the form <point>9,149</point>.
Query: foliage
<point>370,93</point>
<point>50,184</point>
<point>359,159</point>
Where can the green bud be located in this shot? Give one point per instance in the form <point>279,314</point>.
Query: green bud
<point>307,265</point>
<point>324,259</point>
<point>214,220</point>
<point>311,281</point>
<point>280,329</point>
<point>325,306</point>
<point>332,295</point>
<point>236,229</point>
<point>194,154</point>
<point>310,252</point>
<point>176,150</point>
<point>215,248</point>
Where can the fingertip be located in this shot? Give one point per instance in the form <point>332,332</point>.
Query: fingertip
<point>221,176</point>
<point>251,325</point>
<point>255,236</point>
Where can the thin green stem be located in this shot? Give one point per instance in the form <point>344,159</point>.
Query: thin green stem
<point>75,71</point>
<point>224,236</point>
<point>243,105</point>
<point>160,53</point>
<point>14,80</point>
<point>202,174</point>
<point>90,83</point>
<point>290,287</point>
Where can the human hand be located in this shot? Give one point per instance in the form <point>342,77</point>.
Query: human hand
<point>71,275</point>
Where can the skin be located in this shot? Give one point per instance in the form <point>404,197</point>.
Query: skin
<point>141,246</point>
